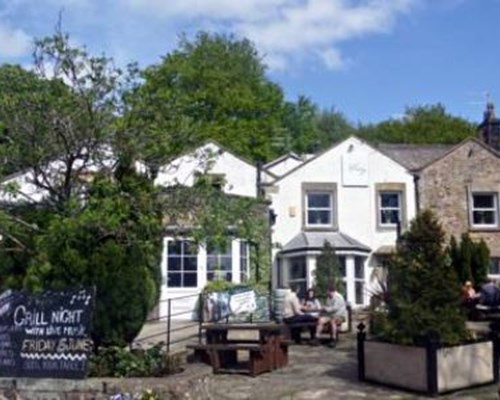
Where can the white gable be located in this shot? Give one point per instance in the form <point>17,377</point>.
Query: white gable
<point>355,168</point>
<point>240,176</point>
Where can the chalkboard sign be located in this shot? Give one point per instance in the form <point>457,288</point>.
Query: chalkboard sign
<point>47,335</point>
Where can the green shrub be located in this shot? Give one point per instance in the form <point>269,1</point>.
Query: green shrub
<point>424,293</point>
<point>122,362</point>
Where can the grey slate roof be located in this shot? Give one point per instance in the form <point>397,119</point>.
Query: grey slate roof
<point>315,241</point>
<point>413,156</point>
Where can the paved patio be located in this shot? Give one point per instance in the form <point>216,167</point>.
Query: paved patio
<point>316,373</point>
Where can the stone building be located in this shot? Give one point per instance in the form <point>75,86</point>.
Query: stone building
<point>462,187</point>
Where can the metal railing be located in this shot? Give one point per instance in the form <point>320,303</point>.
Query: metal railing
<point>183,325</point>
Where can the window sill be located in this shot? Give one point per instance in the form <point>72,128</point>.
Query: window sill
<point>320,228</point>
<point>484,229</point>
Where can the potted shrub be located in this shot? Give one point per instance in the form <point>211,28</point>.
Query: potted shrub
<point>422,342</point>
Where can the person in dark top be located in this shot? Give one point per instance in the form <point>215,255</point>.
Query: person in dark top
<point>490,294</point>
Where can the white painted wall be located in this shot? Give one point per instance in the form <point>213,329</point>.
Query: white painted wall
<point>357,205</point>
<point>240,175</point>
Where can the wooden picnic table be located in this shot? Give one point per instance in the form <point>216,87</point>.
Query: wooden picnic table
<point>268,352</point>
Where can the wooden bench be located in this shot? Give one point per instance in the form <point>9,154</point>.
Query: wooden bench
<point>222,356</point>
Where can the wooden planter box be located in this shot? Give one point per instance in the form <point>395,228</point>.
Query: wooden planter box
<point>431,369</point>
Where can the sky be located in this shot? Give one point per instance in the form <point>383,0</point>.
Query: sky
<point>369,59</point>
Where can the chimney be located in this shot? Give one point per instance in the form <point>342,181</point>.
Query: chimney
<point>489,129</point>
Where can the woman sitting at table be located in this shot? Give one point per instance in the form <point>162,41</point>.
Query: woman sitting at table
<point>311,304</point>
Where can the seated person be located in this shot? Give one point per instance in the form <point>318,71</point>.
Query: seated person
<point>490,294</point>
<point>469,295</point>
<point>334,312</point>
<point>293,313</point>
<point>311,304</point>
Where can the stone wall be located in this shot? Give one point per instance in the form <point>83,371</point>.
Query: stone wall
<point>193,387</point>
<point>445,188</point>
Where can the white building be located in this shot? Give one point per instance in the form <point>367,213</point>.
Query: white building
<point>351,195</point>
<point>187,267</point>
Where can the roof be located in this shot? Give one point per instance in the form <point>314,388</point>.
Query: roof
<point>282,158</point>
<point>315,241</point>
<point>413,156</point>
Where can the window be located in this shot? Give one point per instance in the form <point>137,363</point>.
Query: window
<point>484,210</point>
<point>359,279</point>
<point>495,266</point>
<point>219,263</point>
<point>319,208</point>
<point>244,261</point>
<point>298,275</point>
<point>182,264</point>
<point>389,204</point>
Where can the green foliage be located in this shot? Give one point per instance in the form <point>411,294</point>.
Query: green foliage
<point>328,271</point>
<point>470,259</point>
<point>215,215</point>
<point>424,293</point>
<point>218,285</point>
<point>480,263</point>
<point>121,362</point>
<point>211,87</point>
<point>114,244</point>
<point>333,127</point>
<point>420,124</point>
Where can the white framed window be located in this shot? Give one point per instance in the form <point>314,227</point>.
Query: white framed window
<point>319,209</point>
<point>484,210</point>
<point>389,208</point>
<point>219,263</point>
<point>359,279</point>
<point>182,264</point>
<point>244,262</point>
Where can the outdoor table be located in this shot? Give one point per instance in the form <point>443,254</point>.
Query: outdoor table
<point>268,352</point>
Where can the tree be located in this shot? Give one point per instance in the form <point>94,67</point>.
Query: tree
<point>420,124</point>
<point>470,259</point>
<point>333,127</point>
<point>211,87</point>
<point>424,293</point>
<point>98,223</point>
<point>300,129</point>
<point>328,269</point>
<point>114,245</point>
<point>480,263</point>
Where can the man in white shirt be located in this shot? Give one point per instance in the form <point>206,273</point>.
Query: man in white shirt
<point>293,313</point>
<point>334,312</point>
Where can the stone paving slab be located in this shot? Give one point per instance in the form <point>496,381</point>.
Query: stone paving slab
<point>317,373</point>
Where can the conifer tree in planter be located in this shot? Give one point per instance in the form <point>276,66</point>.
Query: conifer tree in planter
<point>328,271</point>
<point>424,344</point>
<point>424,289</point>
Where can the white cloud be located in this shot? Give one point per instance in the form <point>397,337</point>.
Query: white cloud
<point>285,30</point>
<point>212,9</point>
<point>332,58</point>
<point>13,42</point>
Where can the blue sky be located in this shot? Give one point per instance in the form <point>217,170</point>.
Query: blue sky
<point>366,58</point>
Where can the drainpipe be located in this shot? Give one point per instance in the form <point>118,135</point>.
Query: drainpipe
<point>416,179</point>
<point>260,191</point>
